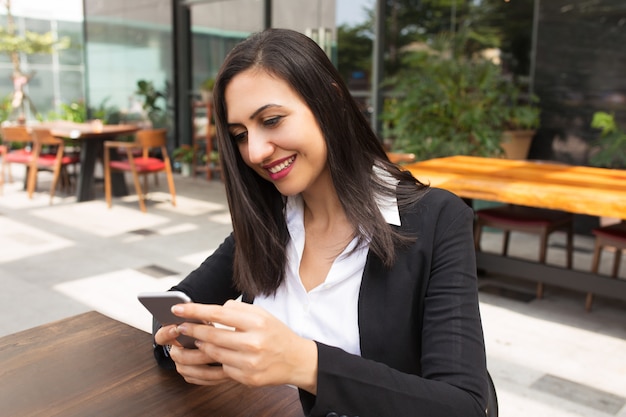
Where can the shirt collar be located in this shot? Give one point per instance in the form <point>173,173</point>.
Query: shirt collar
<point>388,205</point>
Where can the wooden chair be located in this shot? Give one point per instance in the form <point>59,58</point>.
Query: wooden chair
<point>611,236</point>
<point>146,140</point>
<point>536,221</point>
<point>31,154</point>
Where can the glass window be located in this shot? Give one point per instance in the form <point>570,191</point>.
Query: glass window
<point>71,86</point>
<point>3,23</point>
<point>38,26</point>
<point>41,91</point>
<point>74,54</point>
<point>127,42</point>
<point>353,49</point>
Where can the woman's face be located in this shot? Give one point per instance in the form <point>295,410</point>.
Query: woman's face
<point>275,131</point>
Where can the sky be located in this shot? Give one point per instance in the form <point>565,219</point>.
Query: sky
<point>348,11</point>
<point>48,9</point>
<point>351,12</point>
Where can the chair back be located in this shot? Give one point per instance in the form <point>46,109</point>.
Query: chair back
<point>45,137</point>
<point>16,134</point>
<point>151,138</point>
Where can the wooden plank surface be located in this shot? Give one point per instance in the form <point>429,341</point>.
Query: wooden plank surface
<point>91,365</point>
<point>576,189</point>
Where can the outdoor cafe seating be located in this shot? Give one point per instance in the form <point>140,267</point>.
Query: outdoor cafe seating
<point>138,160</point>
<point>614,237</point>
<point>514,218</point>
<point>36,150</point>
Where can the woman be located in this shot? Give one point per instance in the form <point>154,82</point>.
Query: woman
<point>358,282</point>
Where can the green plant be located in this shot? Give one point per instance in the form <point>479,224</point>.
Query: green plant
<point>151,102</point>
<point>5,107</point>
<point>109,114</point>
<point>183,153</point>
<point>445,105</point>
<point>610,147</point>
<point>73,112</point>
<point>208,84</point>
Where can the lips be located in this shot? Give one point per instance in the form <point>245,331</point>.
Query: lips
<point>276,168</point>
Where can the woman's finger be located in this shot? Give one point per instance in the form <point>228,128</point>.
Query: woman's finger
<point>166,335</point>
<point>202,374</point>
<point>184,356</point>
<point>232,314</point>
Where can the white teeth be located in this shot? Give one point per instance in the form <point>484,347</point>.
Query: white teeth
<point>276,169</point>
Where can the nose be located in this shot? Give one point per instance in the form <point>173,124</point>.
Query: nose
<point>259,147</point>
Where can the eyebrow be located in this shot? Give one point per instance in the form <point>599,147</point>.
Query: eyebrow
<point>256,112</point>
<point>260,109</point>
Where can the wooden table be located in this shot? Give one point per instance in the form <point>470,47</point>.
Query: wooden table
<point>91,365</point>
<point>576,189</point>
<point>91,136</point>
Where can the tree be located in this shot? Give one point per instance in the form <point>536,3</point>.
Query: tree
<point>354,50</point>
<point>14,44</point>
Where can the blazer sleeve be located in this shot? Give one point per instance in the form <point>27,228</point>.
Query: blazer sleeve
<point>210,283</point>
<point>448,376</point>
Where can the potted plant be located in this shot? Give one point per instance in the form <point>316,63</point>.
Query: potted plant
<point>152,97</point>
<point>206,90</point>
<point>444,105</point>
<point>521,121</point>
<point>184,155</point>
<point>609,150</point>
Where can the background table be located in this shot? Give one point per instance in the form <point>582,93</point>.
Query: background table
<point>91,365</point>
<point>576,189</point>
<point>91,137</point>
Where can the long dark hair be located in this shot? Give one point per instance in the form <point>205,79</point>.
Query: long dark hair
<point>256,206</point>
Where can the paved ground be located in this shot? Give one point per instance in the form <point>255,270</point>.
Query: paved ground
<point>547,357</point>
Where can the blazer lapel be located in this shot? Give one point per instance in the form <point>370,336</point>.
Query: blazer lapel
<point>372,307</point>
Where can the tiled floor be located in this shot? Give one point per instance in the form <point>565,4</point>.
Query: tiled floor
<point>547,357</point>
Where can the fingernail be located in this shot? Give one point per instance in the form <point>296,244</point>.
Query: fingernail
<point>181,328</point>
<point>174,331</point>
<point>177,309</point>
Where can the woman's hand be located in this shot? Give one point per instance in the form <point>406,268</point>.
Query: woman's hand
<point>256,348</point>
<point>192,364</point>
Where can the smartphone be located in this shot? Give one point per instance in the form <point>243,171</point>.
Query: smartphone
<point>160,305</point>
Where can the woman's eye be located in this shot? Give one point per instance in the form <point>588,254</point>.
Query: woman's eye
<point>239,137</point>
<point>273,121</point>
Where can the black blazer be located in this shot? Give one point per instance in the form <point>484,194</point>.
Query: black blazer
<point>422,348</point>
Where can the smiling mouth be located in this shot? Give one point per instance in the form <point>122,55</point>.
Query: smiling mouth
<point>283,165</point>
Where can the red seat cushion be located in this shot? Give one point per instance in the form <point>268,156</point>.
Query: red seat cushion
<point>20,156</point>
<point>616,231</point>
<point>48,159</point>
<point>142,165</point>
<point>23,157</point>
<point>516,215</point>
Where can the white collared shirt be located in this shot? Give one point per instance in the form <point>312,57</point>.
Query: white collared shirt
<point>329,312</point>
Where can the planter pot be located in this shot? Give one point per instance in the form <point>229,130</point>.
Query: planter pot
<point>185,169</point>
<point>516,143</point>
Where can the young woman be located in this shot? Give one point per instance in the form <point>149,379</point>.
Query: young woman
<point>358,282</point>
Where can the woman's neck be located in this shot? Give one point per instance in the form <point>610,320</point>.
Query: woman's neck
<point>322,206</point>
